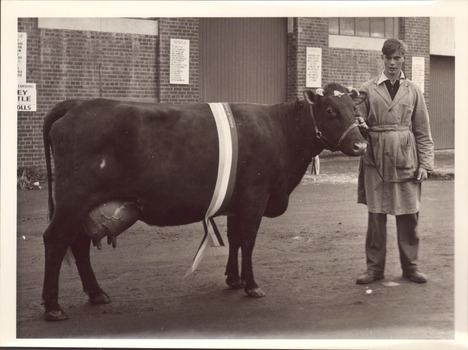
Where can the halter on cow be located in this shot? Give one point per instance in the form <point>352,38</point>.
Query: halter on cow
<point>118,162</point>
<point>327,143</point>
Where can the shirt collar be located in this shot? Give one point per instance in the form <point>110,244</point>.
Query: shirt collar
<point>383,77</point>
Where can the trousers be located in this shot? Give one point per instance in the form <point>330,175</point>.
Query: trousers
<point>376,241</point>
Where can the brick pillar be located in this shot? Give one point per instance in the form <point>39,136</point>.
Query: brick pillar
<point>178,28</point>
<point>306,32</point>
<point>415,32</point>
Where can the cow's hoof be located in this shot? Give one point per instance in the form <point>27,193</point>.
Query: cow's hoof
<point>256,292</point>
<point>99,298</point>
<point>55,315</point>
<point>235,284</point>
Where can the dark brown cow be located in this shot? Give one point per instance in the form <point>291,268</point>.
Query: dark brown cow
<point>164,159</point>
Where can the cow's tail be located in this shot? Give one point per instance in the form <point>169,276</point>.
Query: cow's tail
<point>55,114</point>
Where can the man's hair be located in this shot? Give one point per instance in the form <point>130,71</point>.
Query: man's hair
<point>394,45</point>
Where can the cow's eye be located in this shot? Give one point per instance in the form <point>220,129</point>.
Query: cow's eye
<point>330,111</point>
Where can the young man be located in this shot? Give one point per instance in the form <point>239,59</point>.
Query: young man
<point>399,158</point>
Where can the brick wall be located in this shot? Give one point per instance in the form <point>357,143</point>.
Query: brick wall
<point>292,69</point>
<point>307,32</point>
<point>349,67</point>
<point>352,67</point>
<point>68,64</point>
<point>179,28</point>
<point>345,66</point>
<point>415,32</point>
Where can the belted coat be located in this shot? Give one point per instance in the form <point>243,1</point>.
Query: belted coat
<point>400,142</point>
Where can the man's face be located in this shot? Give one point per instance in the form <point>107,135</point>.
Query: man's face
<point>393,64</point>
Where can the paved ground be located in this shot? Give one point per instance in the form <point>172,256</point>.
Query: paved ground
<point>337,164</point>
<point>306,261</point>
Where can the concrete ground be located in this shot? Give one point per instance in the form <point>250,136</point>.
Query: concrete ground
<point>337,163</point>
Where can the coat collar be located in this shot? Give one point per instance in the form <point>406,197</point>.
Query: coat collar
<point>382,89</point>
<point>382,78</point>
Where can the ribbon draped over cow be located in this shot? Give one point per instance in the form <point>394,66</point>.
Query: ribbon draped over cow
<point>227,167</point>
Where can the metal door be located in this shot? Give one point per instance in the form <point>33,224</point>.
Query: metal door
<point>243,59</point>
<point>442,101</point>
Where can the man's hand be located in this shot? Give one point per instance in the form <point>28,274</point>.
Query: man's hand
<point>421,175</point>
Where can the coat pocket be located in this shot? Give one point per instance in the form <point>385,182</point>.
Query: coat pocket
<point>406,114</point>
<point>406,157</point>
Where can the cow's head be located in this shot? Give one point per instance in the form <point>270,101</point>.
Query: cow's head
<point>334,113</point>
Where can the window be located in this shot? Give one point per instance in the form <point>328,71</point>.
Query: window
<point>368,27</point>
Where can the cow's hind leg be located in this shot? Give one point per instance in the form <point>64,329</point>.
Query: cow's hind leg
<point>80,249</point>
<point>56,244</point>
<point>233,279</point>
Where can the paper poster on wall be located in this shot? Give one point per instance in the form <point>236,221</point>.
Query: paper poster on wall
<point>314,67</point>
<point>27,97</point>
<point>180,60</point>
<point>418,72</point>
<point>22,41</point>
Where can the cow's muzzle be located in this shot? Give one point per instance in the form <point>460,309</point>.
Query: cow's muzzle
<point>359,148</point>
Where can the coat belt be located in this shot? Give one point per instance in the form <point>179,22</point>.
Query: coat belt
<point>388,127</point>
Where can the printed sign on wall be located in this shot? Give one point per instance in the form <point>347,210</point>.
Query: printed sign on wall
<point>27,97</point>
<point>22,41</point>
<point>418,72</point>
<point>180,59</point>
<point>314,67</point>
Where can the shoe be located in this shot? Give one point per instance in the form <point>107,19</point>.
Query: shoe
<point>369,277</point>
<point>415,276</point>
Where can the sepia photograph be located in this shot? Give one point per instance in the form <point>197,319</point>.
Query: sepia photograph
<point>234,175</point>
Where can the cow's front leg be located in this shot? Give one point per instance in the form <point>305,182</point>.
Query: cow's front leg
<point>248,224</point>
<point>251,287</point>
<point>233,279</point>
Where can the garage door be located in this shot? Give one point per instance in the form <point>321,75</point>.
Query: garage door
<point>243,59</point>
<point>442,101</point>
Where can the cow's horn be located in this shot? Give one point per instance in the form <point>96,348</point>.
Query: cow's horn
<point>319,91</point>
<point>351,90</point>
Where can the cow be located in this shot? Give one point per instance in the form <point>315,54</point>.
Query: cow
<point>162,160</point>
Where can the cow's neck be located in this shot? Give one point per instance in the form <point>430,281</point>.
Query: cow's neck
<point>304,140</point>
<point>302,144</point>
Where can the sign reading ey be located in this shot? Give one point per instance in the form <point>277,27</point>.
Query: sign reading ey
<point>180,59</point>
<point>314,67</point>
<point>27,97</point>
<point>22,41</point>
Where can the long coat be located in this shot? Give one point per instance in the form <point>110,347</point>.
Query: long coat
<point>400,142</point>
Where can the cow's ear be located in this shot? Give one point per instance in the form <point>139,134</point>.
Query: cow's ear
<point>358,97</point>
<point>311,97</point>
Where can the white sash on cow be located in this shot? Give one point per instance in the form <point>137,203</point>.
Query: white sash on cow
<point>227,167</point>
